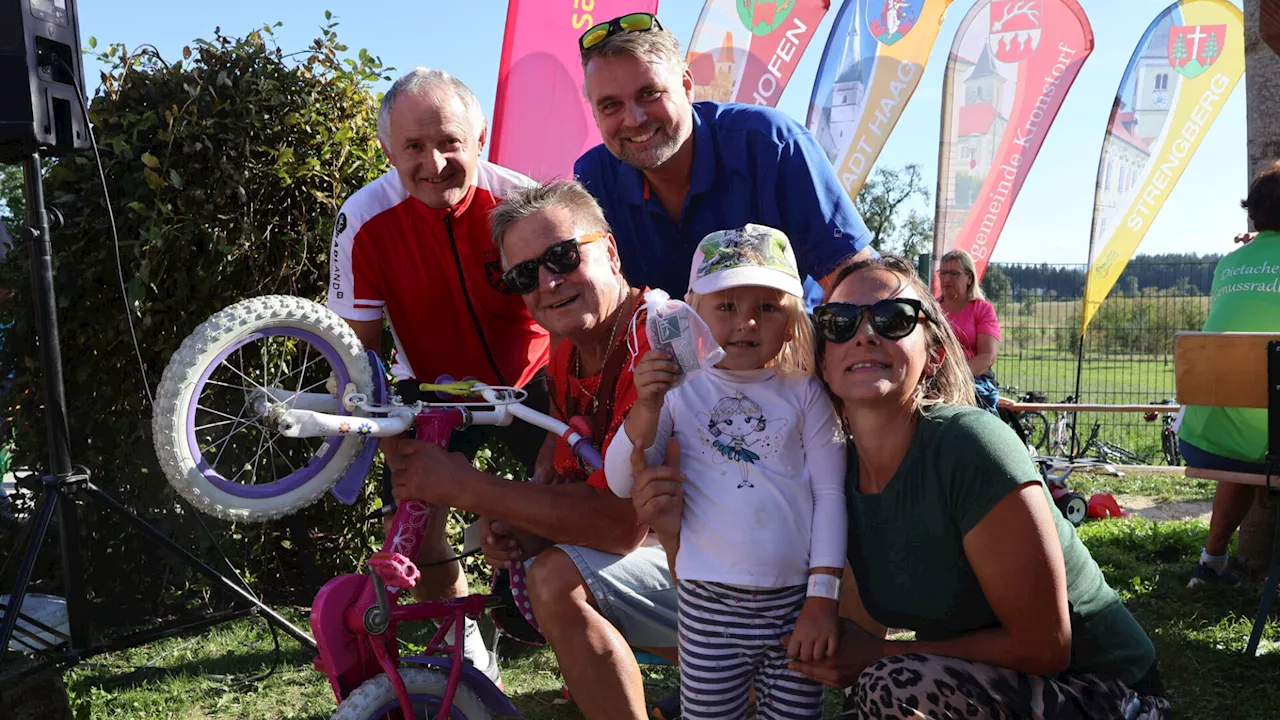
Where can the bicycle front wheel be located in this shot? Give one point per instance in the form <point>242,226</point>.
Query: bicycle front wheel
<point>376,699</point>
<point>212,426</point>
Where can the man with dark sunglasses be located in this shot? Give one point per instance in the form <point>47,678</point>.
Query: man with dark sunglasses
<point>414,247</point>
<point>671,171</point>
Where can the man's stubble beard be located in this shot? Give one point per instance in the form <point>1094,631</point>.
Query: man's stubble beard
<point>654,157</point>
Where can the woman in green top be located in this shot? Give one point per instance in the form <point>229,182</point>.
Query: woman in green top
<point>952,534</point>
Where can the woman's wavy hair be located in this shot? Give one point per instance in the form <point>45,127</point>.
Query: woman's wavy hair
<point>952,384</point>
<point>796,355</point>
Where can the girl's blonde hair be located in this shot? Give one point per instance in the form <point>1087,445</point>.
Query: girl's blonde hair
<point>796,356</point>
<point>952,384</point>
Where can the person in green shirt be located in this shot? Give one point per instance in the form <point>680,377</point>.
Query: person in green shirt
<point>953,535</point>
<point>1245,298</point>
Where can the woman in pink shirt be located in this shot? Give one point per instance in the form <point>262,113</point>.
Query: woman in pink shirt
<point>974,321</point>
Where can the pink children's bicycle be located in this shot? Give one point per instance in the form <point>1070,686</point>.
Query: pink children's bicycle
<point>271,403</point>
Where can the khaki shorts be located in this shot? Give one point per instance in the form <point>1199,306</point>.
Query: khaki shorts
<point>634,592</point>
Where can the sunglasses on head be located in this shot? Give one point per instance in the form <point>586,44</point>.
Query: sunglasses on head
<point>892,319</point>
<point>634,22</point>
<point>562,258</point>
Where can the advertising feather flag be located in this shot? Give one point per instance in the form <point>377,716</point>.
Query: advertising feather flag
<point>873,61</point>
<point>541,122</point>
<point>1180,75</point>
<point>1010,67</point>
<point>746,50</point>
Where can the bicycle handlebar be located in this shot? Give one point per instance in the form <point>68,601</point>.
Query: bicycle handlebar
<point>301,422</point>
<point>581,446</point>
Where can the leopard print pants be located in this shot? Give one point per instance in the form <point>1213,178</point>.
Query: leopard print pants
<point>912,686</point>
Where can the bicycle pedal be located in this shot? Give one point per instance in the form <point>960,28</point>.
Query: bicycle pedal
<point>395,569</point>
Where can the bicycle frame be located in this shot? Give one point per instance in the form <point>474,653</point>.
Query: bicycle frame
<point>355,617</point>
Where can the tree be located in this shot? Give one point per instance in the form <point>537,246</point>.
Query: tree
<point>226,167</point>
<point>11,196</point>
<point>1131,287</point>
<point>915,236</point>
<point>880,203</point>
<point>997,286</point>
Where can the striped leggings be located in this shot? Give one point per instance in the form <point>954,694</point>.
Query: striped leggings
<point>729,639</point>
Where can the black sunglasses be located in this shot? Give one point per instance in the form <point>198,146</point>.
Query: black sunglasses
<point>892,318</point>
<point>562,258</point>
<point>633,22</point>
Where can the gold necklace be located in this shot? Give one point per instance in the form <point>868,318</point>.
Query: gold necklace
<point>577,355</point>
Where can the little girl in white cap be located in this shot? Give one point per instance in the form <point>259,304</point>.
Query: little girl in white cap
<point>763,531</point>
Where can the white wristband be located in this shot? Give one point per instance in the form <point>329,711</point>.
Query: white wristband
<point>825,586</point>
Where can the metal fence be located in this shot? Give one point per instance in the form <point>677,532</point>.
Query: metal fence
<point>1128,351</point>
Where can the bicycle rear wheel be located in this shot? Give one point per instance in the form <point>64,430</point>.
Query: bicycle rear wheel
<point>1035,429</point>
<point>1169,444</point>
<point>212,426</point>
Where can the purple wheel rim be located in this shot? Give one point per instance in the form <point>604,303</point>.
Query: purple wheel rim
<point>312,466</point>
<point>430,703</point>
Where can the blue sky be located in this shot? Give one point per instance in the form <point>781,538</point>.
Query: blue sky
<point>1050,222</point>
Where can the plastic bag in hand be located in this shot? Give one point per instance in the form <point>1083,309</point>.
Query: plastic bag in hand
<point>675,327</point>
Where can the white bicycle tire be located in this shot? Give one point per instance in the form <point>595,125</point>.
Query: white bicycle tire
<point>181,381</point>
<point>376,693</point>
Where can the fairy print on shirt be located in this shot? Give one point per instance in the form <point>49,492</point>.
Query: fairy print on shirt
<point>739,432</point>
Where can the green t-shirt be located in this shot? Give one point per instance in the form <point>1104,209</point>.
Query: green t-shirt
<point>906,544</point>
<point>1245,298</point>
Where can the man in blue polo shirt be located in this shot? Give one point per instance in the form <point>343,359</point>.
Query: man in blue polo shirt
<point>671,171</point>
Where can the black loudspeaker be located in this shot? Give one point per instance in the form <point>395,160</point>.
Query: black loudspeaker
<point>40,70</point>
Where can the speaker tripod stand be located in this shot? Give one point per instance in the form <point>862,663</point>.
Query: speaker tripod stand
<point>60,493</point>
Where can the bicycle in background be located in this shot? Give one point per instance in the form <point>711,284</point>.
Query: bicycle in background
<point>1168,433</point>
<point>1030,425</point>
<point>1062,440</point>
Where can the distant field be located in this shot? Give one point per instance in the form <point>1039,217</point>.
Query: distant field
<point>1032,358</point>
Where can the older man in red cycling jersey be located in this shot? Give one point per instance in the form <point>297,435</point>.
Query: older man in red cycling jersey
<point>414,247</point>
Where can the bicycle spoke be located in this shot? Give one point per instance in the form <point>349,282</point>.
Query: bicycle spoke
<point>228,385</point>
<point>283,456</point>
<point>313,386</point>
<point>216,424</point>
<point>226,440</point>
<point>251,464</point>
<point>302,374</point>
<point>228,436</point>
<point>250,380</point>
<point>233,417</point>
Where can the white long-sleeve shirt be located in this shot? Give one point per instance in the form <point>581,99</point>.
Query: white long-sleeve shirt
<point>764,463</point>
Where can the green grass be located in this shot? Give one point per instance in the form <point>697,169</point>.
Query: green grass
<point>1199,636</point>
<point>1165,487</point>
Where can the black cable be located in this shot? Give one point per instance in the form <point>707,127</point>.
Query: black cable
<point>111,218</point>
<point>115,237</point>
<point>454,559</point>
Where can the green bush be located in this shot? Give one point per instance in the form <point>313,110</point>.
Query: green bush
<point>226,168</point>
